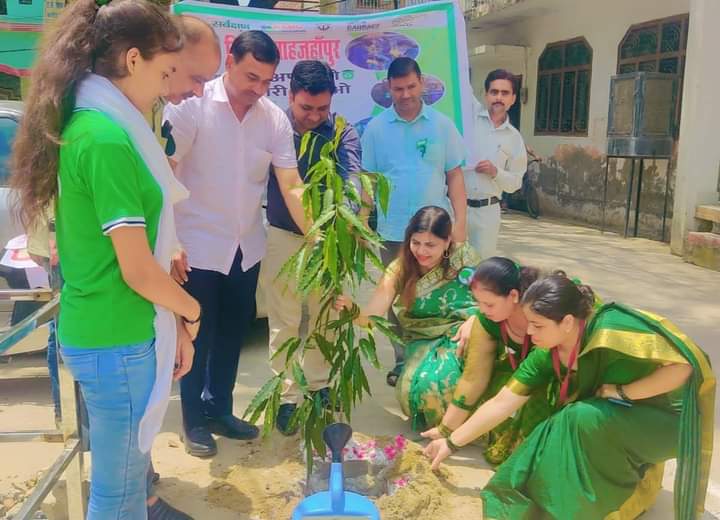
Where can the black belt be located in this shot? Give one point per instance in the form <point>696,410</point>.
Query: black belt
<point>475,203</point>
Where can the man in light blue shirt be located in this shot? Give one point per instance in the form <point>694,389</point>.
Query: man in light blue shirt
<point>421,153</point>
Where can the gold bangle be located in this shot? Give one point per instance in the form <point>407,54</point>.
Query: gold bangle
<point>445,430</point>
<point>453,447</point>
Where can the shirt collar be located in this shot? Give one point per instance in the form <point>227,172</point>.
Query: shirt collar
<point>219,93</point>
<point>484,113</point>
<point>328,124</point>
<point>396,117</point>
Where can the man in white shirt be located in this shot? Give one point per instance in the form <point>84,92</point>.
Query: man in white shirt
<point>225,142</point>
<point>500,161</point>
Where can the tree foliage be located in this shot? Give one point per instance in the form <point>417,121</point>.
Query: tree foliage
<point>332,260</point>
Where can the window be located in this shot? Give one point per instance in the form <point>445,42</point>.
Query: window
<point>8,127</point>
<point>563,89</point>
<point>3,7</point>
<point>656,46</point>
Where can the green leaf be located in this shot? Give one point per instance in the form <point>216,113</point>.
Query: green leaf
<point>330,253</point>
<point>325,346</point>
<point>288,345</point>
<point>383,192</point>
<point>299,376</point>
<point>292,349</point>
<point>260,399</point>
<point>326,217</point>
<point>367,185</point>
<point>345,241</point>
<point>360,263</point>
<point>328,199</point>
<point>315,201</point>
<point>375,260</point>
<point>304,144</point>
<point>338,187</point>
<point>271,412</point>
<point>355,222</point>
<point>367,346</point>
<point>351,191</point>
<point>386,328</point>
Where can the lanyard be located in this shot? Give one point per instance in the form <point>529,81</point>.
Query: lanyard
<point>511,355</point>
<point>565,382</point>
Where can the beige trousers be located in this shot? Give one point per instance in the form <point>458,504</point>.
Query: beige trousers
<point>289,315</point>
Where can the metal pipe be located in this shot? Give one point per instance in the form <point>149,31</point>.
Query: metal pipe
<point>32,435</point>
<point>10,337</point>
<point>48,481</point>
<point>605,190</point>
<point>629,197</point>
<point>34,295</point>
<point>637,197</point>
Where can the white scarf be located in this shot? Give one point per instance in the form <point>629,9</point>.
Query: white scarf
<point>98,93</point>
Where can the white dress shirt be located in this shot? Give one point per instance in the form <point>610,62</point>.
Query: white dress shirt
<point>225,163</point>
<point>504,146</point>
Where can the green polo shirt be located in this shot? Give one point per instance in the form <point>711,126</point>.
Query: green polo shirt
<point>104,184</point>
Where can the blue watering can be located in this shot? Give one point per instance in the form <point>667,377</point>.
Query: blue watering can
<point>336,503</point>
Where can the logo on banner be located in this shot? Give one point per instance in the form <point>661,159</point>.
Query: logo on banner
<point>323,26</point>
<point>228,24</point>
<point>404,21</point>
<point>362,27</point>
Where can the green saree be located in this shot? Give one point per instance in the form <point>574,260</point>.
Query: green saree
<point>432,367</point>
<point>502,440</point>
<point>594,459</point>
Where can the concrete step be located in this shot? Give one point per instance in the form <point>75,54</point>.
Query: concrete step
<point>703,249</point>
<point>710,212</point>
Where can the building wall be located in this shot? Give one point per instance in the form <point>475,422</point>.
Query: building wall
<point>573,168</point>
<point>26,13</point>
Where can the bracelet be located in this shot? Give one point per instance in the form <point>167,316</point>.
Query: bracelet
<point>621,392</point>
<point>453,447</point>
<point>193,322</point>
<point>444,430</point>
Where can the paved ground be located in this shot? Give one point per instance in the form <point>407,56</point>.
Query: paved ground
<point>634,271</point>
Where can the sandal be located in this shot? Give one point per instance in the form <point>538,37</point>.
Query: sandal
<point>392,377</point>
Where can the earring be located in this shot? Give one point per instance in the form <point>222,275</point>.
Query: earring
<point>446,253</point>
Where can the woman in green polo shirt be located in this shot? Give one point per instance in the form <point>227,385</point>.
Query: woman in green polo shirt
<point>84,143</point>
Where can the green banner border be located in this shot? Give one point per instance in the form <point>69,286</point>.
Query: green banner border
<point>277,16</point>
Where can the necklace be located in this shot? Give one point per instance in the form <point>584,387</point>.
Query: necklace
<point>504,327</point>
<point>565,382</point>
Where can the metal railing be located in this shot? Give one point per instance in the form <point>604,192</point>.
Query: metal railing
<point>70,461</point>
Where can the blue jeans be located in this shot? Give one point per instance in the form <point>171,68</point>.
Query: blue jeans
<point>116,384</point>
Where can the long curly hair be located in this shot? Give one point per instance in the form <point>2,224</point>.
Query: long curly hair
<point>85,38</point>
<point>438,222</point>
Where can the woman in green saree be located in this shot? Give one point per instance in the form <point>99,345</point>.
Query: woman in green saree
<point>631,391</point>
<point>427,285</point>
<point>500,342</point>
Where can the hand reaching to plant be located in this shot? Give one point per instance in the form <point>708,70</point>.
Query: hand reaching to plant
<point>343,302</point>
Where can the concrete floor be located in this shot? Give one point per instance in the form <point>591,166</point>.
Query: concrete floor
<point>638,272</point>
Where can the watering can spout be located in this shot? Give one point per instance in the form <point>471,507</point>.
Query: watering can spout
<point>336,437</point>
<point>336,501</point>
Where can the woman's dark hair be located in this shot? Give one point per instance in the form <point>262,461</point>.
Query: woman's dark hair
<point>500,275</point>
<point>430,219</point>
<point>258,44</point>
<point>312,76</point>
<point>84,38</point>
<point>556,296</point>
